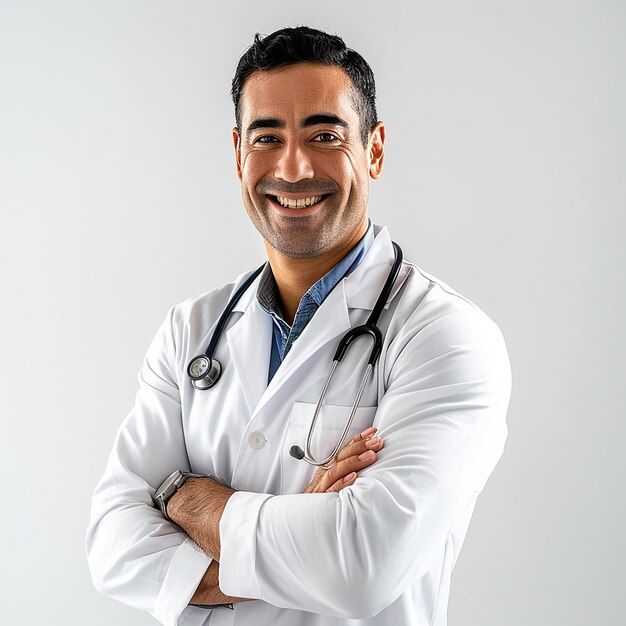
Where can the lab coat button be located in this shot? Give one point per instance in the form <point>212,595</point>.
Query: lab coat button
<point>256,440</point>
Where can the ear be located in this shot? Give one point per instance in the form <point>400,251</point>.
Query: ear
<point>376,149</point>
<point>237,146</point>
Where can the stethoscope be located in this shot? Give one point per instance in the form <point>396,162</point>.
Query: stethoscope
<point>205,370</point>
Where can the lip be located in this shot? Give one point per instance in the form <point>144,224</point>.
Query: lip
<point>303,212</point>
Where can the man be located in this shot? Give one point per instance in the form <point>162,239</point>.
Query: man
<point>286,543</point>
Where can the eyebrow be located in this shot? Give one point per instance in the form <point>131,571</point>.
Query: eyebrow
<point>323,118</point>
<point>266,122</point>
<point>311,120</point>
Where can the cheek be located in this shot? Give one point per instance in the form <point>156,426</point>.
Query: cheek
<point>349,171</point>
<point>255,165</point>
<point>337,166</point>
<point>245,165</point>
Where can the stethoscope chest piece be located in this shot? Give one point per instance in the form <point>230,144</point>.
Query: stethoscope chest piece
<point>203,371</point>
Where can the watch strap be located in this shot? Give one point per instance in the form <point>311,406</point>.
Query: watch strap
<point>177,485</point>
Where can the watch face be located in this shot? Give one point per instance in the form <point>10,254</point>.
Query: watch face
<point>168,485</point>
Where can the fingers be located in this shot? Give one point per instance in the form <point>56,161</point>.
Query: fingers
<point>358,444</point>
<point>341,483</point>
<point>356,455</point>
<point>355,463</point>
<point>360,452</point>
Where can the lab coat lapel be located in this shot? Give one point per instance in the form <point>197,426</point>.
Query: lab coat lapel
<point>329,322</point>
<point>360,290</point>
<point>250,337</point>
<point>364,285</point>
<point>249,341</point>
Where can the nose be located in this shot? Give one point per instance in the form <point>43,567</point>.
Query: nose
<point>294,163</point>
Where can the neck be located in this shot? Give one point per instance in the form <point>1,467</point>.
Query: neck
<point>295,276</point>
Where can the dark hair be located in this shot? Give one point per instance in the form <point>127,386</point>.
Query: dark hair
<point>302,44</point>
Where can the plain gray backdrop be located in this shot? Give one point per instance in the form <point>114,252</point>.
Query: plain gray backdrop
<point>504,176</point>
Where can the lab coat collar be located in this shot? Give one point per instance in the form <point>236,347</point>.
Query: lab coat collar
<point>363,285</point>
<point>250,337</point>
<point>316,334</point>
<point>249,342</point>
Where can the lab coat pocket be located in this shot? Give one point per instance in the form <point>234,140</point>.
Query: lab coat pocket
<point>297,474</point>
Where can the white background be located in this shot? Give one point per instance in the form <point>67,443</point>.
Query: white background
<point>504,176</point>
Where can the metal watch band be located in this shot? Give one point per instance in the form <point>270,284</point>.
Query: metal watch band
<point>181,481</point>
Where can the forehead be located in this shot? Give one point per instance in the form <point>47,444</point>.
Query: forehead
<point>294,92</point>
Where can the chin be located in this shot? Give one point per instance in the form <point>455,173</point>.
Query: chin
<point>305,249</point>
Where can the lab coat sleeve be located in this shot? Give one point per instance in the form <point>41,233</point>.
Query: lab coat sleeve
<point>135,555</point>
<point>351,554</point>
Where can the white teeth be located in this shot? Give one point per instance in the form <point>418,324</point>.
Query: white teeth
<point>298,204</point>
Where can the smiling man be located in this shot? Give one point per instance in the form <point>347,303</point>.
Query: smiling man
<point>230,495</point>
<point>304,161</point>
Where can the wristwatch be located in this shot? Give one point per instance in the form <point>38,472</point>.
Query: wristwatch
<point>169,487</point>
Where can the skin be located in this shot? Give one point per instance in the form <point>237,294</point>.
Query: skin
<point>299,138</point>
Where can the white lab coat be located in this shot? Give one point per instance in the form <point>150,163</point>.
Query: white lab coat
<point>380,552</point>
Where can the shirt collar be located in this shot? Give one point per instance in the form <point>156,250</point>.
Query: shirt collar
<point>267,292</point>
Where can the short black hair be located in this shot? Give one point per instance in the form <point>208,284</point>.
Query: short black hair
<point>302,44</point>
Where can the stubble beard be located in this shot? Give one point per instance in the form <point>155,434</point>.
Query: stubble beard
<point>300,239</point>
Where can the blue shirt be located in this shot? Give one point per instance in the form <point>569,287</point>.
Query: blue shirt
<point>267,295</point>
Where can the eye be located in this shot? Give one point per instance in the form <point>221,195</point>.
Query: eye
<point>265,139</point>
<point>325,137</point>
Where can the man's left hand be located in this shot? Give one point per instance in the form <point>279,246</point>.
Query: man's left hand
<point>356,455</point>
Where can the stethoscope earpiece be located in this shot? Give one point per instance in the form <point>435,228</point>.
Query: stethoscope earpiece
<point>204,372</point>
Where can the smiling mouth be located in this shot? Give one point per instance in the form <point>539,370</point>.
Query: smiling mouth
<point>300,203</point>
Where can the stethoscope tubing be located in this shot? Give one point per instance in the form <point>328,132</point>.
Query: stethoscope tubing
<point>229,309</point>
<point>370,328</point>
<point>210,369</point>
<point>308,457</point>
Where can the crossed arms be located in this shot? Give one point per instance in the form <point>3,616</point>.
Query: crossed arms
<point>198,507</point>
<point>442,420</point>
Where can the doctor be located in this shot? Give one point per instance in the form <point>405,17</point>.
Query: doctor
<point>375,537</point>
